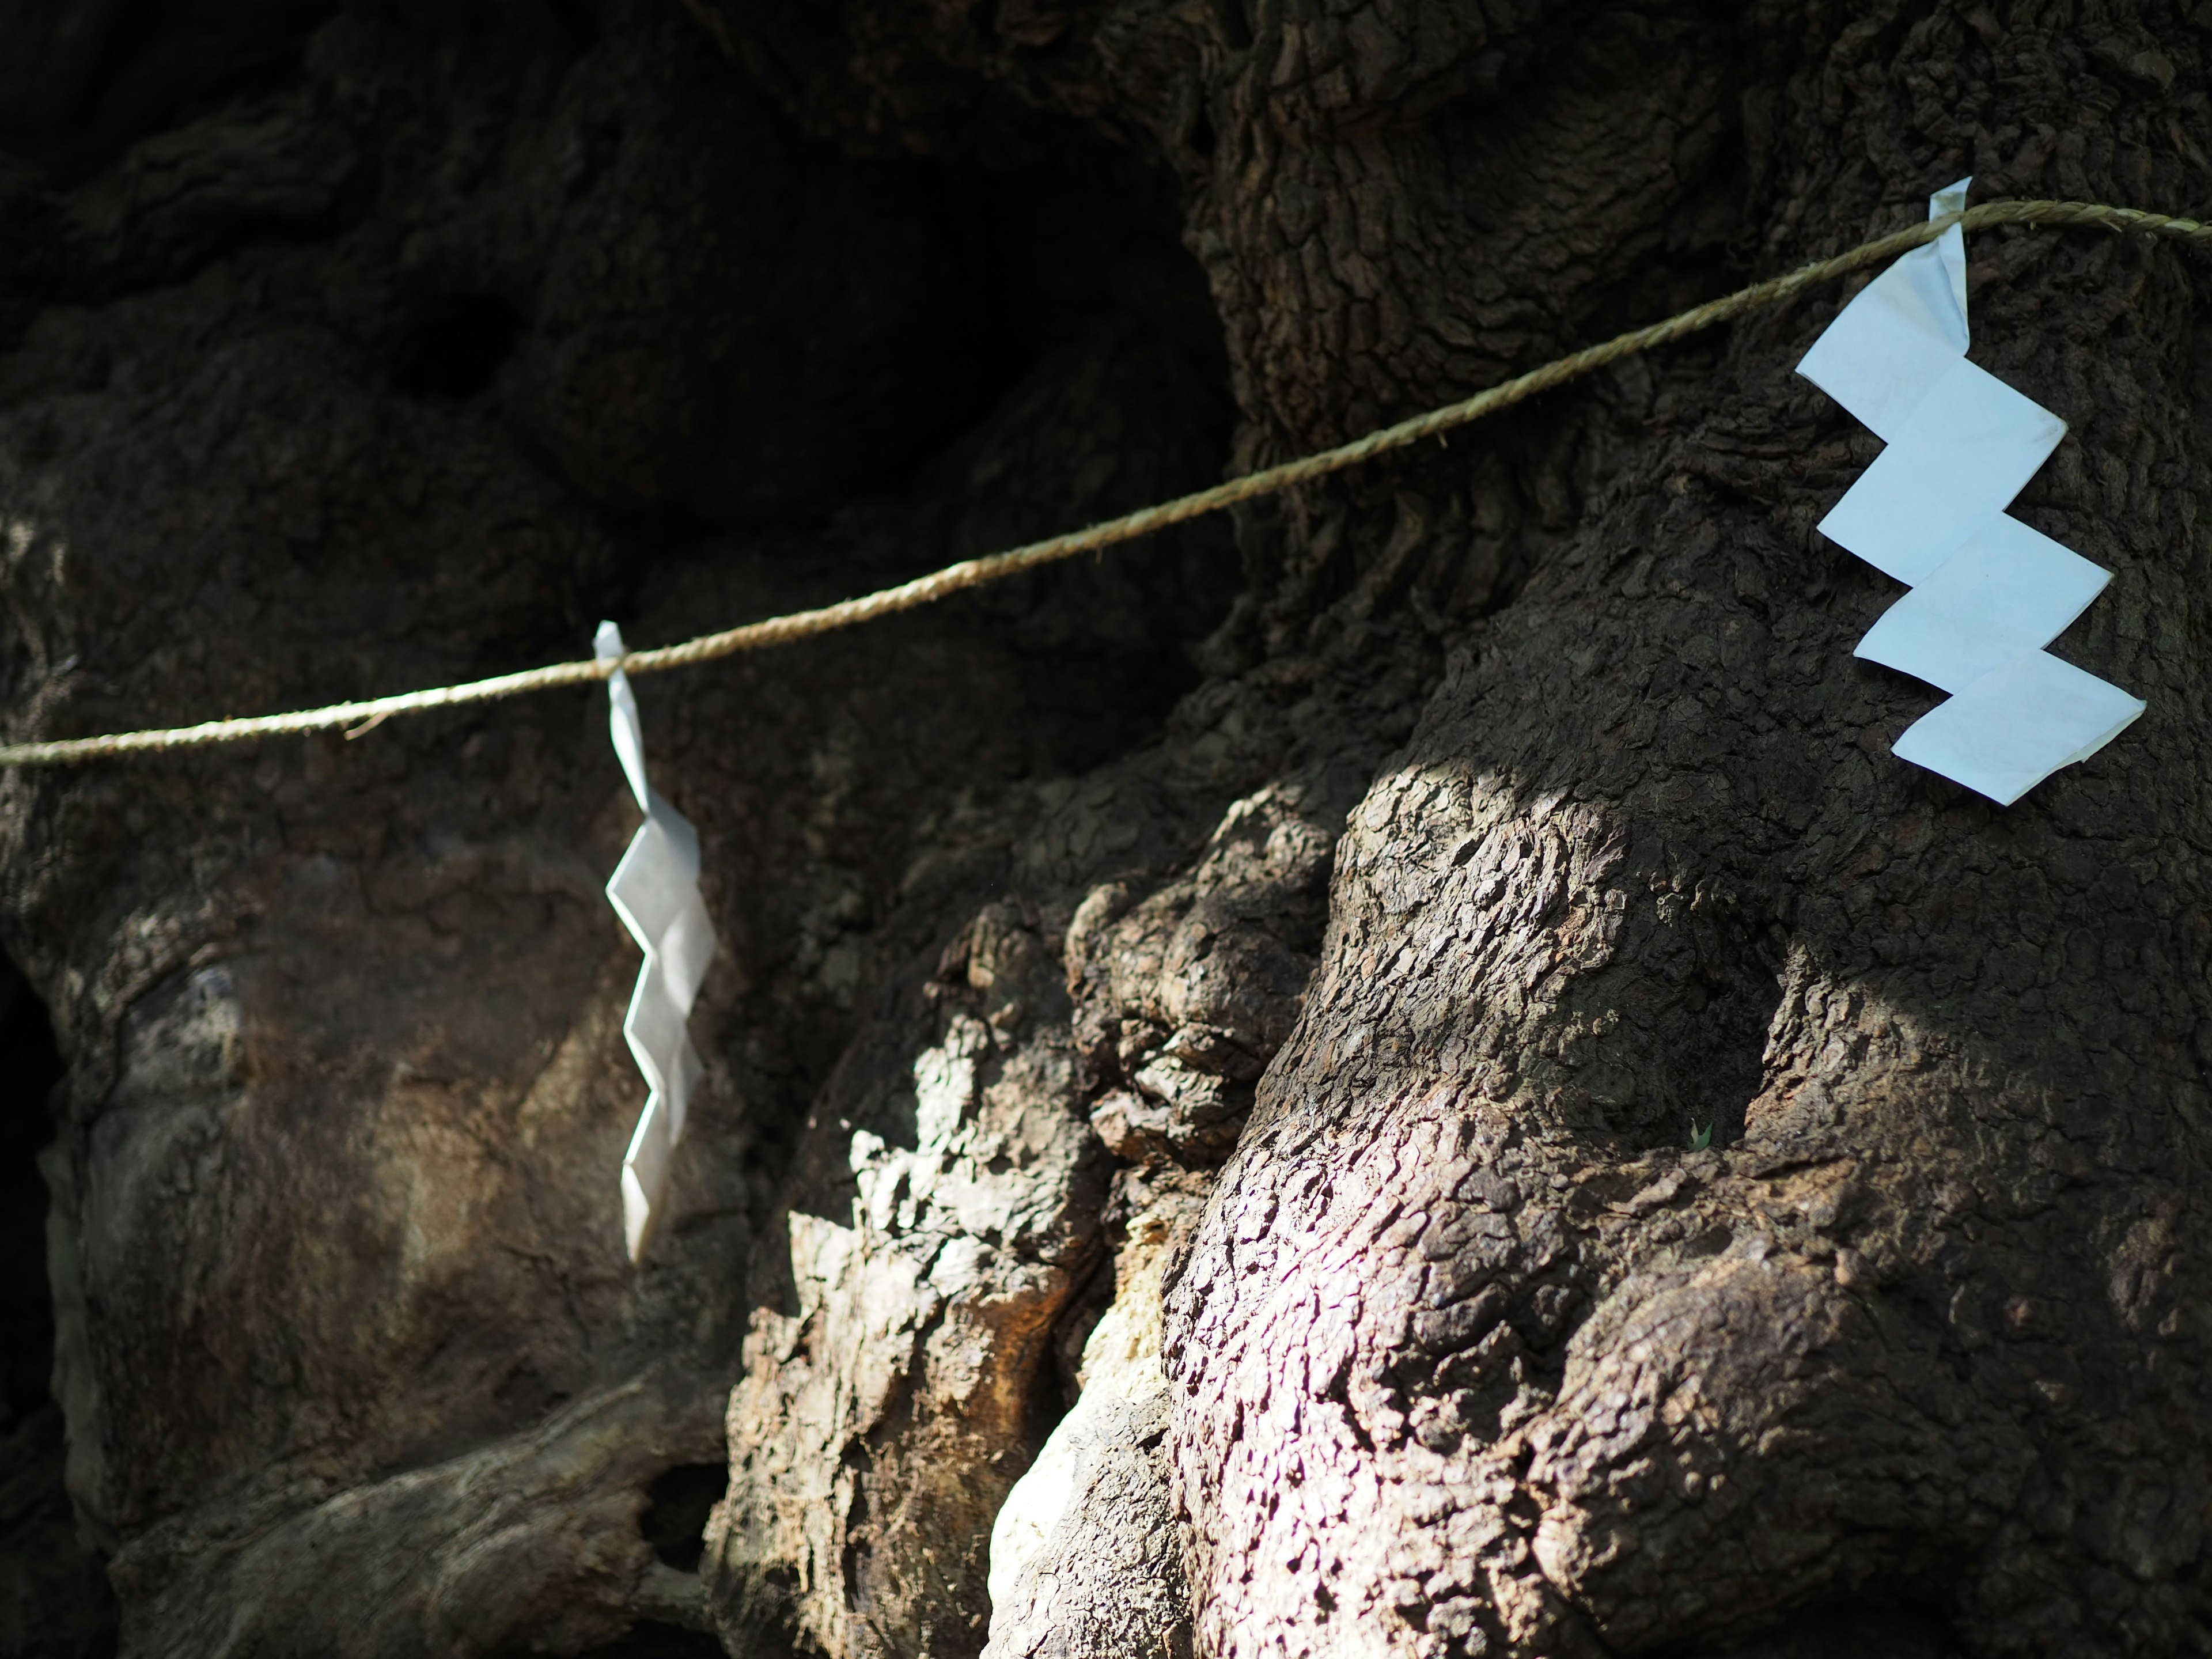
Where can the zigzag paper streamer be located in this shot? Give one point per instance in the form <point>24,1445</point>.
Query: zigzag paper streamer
<point>1988,593</point>
<point>655,892</point>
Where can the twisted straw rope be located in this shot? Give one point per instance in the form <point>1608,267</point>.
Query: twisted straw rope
<point>974,573</point>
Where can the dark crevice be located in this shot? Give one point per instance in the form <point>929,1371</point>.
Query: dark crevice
<point>1847,1631</point>
<point>650,1639</point>
<point>453,344</point>
<point>1081,231</point>
<point>1202,138</point>
<point>30,1067</point>
<point>677,1505</point>
<point>55,1602</point>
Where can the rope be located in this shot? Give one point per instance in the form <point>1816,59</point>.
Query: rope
<point>974,573</point>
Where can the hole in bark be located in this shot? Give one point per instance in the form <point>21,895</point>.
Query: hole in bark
<point>1847,1632</point>
<point>1057,1387</point>
<point>650,1639</point>
<point>676,1509</point>
<point>52,1590</point>
<point>454,344</point>
<point>30,1067</point>
<point>1201,133</point>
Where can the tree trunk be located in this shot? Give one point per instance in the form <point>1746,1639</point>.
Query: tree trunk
<point>1195,1159</point>
<point>1470,1354</point>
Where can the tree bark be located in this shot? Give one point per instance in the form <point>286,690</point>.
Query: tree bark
<point>1281,1074</point>
<point>1470,1354</point>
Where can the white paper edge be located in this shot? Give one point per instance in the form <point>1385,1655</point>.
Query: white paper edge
<point>667,840</point>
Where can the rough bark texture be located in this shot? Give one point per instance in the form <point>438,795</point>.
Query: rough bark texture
<point>1086,1553</point>
<point>1274,1060</point>
<point>1469,1355</point>
<point>350,1358</point>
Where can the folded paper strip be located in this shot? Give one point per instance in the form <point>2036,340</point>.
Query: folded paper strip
<point>655,892</point>
<point>1988,593</point>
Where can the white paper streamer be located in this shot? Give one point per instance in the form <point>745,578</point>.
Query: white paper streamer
<point>1988,593</point>
<point>655,892</point>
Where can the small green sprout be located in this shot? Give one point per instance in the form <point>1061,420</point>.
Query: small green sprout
<point>1701,1139</point>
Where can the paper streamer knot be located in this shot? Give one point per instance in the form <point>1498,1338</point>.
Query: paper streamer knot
<point>655,892</point>
<point>1988,593</point>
